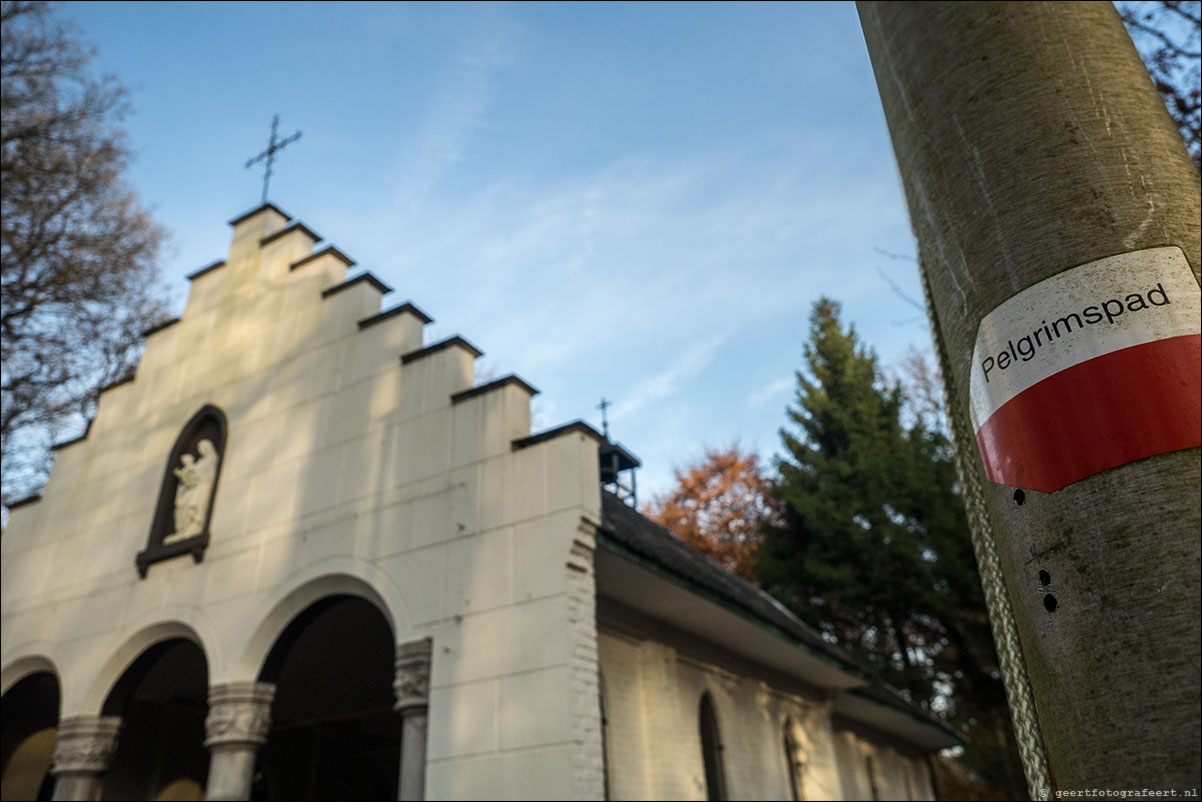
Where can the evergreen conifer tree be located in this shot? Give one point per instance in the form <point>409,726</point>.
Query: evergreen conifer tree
<point>873,548</point>
<point>847,559</point>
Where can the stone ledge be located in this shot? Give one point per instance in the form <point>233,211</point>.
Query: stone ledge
<point>481,389</point>
<point>209,268</point>
<point>550,434</point>
<point>260,208</point>
<point>329,250</point>
<point>160,326</point>
<point>283,232</point>
<point>359,279</point>
<point>25,501</point>
<point>111,385</point>
<point>393,312</point>
<point>454,340</point>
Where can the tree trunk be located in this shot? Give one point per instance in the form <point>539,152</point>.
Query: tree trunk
<point>1031,141</point>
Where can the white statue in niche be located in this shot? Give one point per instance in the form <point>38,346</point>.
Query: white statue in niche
<point>196,476</point>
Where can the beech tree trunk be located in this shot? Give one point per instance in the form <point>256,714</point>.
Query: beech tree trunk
<point>1030,141</point>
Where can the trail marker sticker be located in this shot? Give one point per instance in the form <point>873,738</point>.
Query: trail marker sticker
<point>1090,369</point>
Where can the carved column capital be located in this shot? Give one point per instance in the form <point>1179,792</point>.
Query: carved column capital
<point>239,713</point>
<point>86,744</point>
<point>412,683</point>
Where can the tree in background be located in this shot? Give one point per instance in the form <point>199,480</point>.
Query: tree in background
<point>78,253</point>
<point>718,507</point>
<point>845,559</point>
<point>872,547</point>
<point>1168,35</point>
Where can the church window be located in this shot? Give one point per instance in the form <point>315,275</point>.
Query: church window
<point>711,751</point>
<point>793,762</point>
<point>870,767</point>
<point>605,761</point>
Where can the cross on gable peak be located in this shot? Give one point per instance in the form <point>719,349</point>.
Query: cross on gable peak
<point>274,145</point>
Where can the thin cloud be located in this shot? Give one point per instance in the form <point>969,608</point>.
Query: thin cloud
<point>770,391</point>
<point>460,108</point>
<point>664,383</point>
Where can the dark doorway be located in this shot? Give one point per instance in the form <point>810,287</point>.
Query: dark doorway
<point>28,728</point>
<point>162,700</point>
<point>334,733</point>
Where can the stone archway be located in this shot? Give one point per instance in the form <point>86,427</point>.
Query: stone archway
<point>334,731</point>
<point>28,736</point>
<point>161,700</point>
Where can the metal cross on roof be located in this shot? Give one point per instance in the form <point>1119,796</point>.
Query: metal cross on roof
<point>604,405</point>
<point>274,144</point>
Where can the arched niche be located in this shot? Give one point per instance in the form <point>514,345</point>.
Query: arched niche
<point>188,491</point>
<point>28,736</point>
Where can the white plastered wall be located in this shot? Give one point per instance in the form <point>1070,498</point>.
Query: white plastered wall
<point>652,698</point>
<point>344,472</point>
<point>894,775</point>
<point>652,694</point>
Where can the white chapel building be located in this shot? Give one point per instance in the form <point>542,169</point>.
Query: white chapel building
<point>301,554</point>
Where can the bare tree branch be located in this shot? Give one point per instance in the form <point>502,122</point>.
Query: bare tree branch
<point>1168,35</point>
<point>77,252</point>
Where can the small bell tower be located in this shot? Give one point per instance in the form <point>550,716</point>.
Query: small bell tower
<point>617,464</point>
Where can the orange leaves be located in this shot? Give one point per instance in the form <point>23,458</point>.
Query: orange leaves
<point>718,508</point>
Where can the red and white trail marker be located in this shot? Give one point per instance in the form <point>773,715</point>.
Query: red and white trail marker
<point>1090,369</point>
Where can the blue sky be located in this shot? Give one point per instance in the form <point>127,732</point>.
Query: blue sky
<point>638,201</point>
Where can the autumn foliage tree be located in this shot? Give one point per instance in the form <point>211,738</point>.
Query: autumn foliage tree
<point>719,507</point>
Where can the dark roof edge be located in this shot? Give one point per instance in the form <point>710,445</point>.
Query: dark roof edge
<point>87,428</point>
<point>209,268</point>
<point>550,434</point>
<point>330,250</point>
<point>607,541</point>
<point>25,501</point>
<point>393,312</point>
<point>257,209</point>
<point>900,704</point>
<point>70,442</point>
<point>611,447</point>
<point>455,339</point>
<point>481,389</point>
<point>160,326</point>
<point>112,385</point>
<point>286,230</point>
<point>359,279</point>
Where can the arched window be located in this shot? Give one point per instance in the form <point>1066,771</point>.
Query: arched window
<point>605,762</point>
<point>711,751</point>
<point>794,764</point>
<point>908,769</point>
<point>189,487</point>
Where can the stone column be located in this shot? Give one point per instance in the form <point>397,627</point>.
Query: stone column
<point>412,687</point>
<point>85,747</point>
<point>237,724</point>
